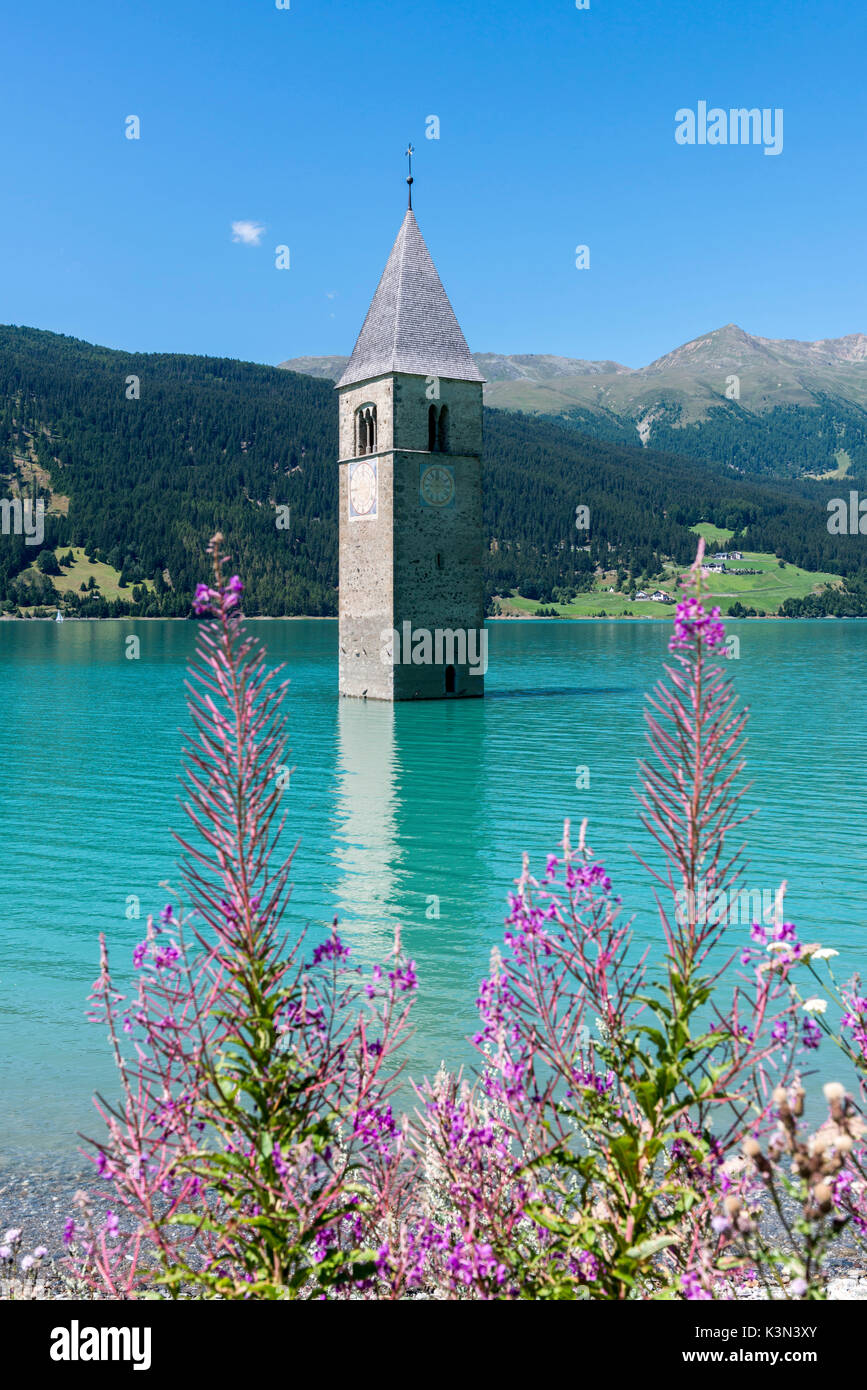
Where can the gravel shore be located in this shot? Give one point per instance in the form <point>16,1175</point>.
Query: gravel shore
<point>39,1202</point>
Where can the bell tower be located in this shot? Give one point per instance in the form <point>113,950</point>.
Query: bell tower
<point>410,402</point>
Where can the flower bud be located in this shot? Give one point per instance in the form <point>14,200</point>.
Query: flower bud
<point>733,1204</point>
<point>843,1143</point>
<point>798,1105</point>
<point>823,1196</point>
<point>833,1091</point>
<point>752,1148</point>
<point>781,1096</point>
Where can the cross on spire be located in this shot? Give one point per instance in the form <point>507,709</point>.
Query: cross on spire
<point>409,154</point>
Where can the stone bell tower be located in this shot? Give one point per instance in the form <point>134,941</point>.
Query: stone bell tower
<point>411,593</point>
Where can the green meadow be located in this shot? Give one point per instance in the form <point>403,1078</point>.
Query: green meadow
<point>766,590</point>
<point>72,577</point>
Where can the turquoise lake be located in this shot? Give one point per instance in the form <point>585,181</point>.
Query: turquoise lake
<point>395,808</point>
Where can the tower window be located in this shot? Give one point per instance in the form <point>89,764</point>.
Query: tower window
<point>438,429</point>
<point>439,560</point>
<point>451,681</point>
<point>443,430</point>
<point>365,429</point>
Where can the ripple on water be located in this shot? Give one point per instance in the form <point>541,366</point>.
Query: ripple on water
<point>403,813</point>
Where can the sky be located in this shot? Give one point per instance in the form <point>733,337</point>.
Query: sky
<point>556,130</point>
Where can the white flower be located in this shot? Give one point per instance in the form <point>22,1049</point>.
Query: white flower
<point>814,1006</point>
<point>778,946</point>
<point>825,953</point>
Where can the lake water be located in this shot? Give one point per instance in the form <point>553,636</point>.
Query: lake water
<point>395,808</point>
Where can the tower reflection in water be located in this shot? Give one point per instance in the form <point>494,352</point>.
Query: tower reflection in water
<point>408,849</point>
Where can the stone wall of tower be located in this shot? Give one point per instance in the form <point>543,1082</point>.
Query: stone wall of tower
<point>411,564</point>
<point>366,552</point>
<point>428,595</point>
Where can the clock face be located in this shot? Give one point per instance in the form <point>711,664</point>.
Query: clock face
<point>438,485</point>
<point>362,490</point>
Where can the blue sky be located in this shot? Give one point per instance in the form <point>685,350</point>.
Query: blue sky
<point>556,128</point>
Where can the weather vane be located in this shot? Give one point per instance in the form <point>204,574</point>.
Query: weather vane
<point>409,154</point>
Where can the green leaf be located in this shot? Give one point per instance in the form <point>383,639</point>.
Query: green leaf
<point>651,1247</point>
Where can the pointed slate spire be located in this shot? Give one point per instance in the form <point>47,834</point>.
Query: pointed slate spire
<point>410,325</point>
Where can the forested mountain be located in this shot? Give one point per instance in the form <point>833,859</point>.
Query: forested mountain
<point>217,444</point>
<point>772,407</point>
<point>642,504</point>
<point>210,444</point>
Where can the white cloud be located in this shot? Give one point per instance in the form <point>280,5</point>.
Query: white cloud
<point>250,233</point>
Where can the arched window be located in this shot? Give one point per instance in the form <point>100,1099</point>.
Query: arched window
<point>365,429</point>
<point>439,560</point>
<point>432,428</point>
<point>443,430</point>
<point>450,680</point>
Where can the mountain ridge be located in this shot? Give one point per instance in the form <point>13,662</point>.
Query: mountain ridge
<point>776,406</point>
<point>138,483</point>
<point>850,347</point>
<point>770,371</point>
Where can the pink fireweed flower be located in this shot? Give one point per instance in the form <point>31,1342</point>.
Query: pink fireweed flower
<point>692,623</point>
<point>404,977</point>
<point>692,1286</point>
<point>586,1266</point>
<point>785,932</point>
<point>332,948</point>
<point>166,955</point>
<point>854,1020</point>
<point>234,589</point>
<point>376,1126</point>
<point>592,1081</point>
<point>204,600</point>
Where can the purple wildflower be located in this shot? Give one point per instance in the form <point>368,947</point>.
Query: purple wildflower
<point>692,623</point>
<point>333,947</point>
